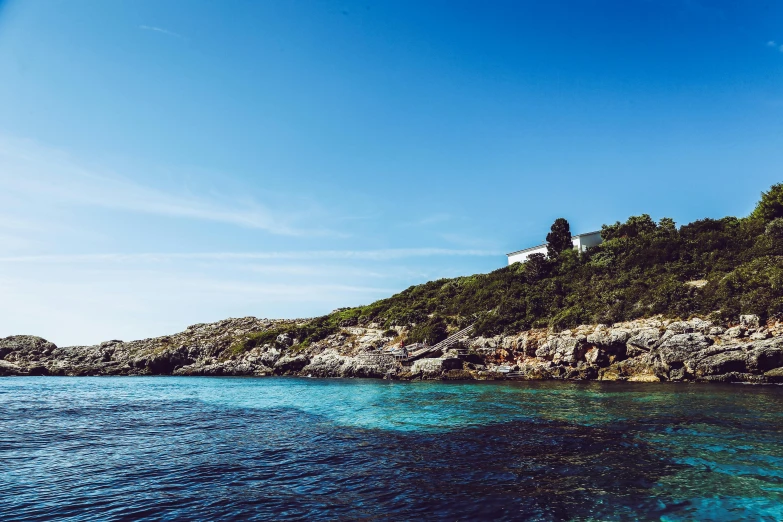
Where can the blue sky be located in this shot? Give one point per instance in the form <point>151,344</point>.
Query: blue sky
<point>164,163</point>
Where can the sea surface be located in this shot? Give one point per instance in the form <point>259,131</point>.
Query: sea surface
<point>187,448</point>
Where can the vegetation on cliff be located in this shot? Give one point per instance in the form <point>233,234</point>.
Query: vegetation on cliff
<point>716,268</point>
<point>719,268</point>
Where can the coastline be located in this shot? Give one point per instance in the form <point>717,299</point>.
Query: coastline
<point>644,350</point>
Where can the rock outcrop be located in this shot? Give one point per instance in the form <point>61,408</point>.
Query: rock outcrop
<point>645,350</point>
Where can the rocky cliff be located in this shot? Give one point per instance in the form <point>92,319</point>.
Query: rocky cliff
<point>644,350</point>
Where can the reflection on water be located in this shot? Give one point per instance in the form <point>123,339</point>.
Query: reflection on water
<point>285,448</point>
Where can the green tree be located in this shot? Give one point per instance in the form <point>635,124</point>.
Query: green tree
<point>432,331</point>
<point>635,226</point>
<point>559,239</point>
<point>775,228</point>
<point>536,267</point>
<point>771,204</point>
<point>667,225</point>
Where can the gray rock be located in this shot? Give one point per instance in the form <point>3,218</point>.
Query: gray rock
<point>610,341</point>
<point>645,339</point>
<point>7,368</point>
<point>766,356</point>
<point>749,321</point>
<point>567,349</point>
<point>20,347</point>
<point>716,330</point>
<point>433,368</point>
<point>593,355</point>
<point>774,375</point>
<point>679,347</point>
<point>284,339</point>
<point>735,332</point>
<point>733,361</point>
<point>326,364</point>
<point>291,363</point>
<point>680,327</point>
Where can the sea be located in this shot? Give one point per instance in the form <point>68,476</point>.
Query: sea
<point>285,448</point>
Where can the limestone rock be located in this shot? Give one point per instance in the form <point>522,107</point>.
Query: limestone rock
<point>775,375</point>
<point>7,368</point>
<point>645,339</point>
<point>291,363</point>
<point>749,321</point>
<point>24,346</point>
<point>611,341</point>
<point>678,347</point>
<point>735,332</point>
<point>429,368</point>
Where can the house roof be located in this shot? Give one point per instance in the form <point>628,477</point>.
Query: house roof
<point>545,244</point>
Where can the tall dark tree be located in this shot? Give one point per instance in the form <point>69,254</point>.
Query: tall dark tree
<point>559,239</point>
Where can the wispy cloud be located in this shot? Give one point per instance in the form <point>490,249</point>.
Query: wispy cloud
<point>369,255</point>
<point>160,30</point>
<point>130,305</point>
<point>42,173</point>
<point>774,44</point>
<point>434,218</point>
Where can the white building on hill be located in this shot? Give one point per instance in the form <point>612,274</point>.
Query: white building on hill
<point>581,242</point>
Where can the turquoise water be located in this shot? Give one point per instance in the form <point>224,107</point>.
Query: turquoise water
<point>289,448</point>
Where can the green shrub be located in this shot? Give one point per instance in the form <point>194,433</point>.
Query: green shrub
<point>641,269</point>
<point>431,332</point>
<point>771,204</point>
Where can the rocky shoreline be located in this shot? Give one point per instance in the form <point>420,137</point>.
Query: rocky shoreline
<point>645,350</point>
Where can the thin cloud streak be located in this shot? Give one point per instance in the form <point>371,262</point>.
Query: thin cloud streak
<point>372,255</point>
<point>32,170</point>
<point>160,30</point>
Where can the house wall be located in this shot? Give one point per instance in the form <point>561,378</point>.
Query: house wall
<point>585,241</point>
<point>581,243</point>
<point>521,257</point>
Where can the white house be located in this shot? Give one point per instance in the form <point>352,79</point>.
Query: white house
<point>581,242</point>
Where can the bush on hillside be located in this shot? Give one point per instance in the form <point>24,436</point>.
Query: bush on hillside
<point>641,269</point>
<point>771,204</point>
<point>432,331</point>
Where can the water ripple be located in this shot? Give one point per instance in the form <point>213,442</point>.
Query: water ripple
<point>290,449</point>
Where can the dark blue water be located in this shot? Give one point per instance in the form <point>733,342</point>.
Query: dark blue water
<point>290,449</point>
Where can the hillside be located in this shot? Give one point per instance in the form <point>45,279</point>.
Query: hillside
<point>715,268</point>
<point>653,302</point>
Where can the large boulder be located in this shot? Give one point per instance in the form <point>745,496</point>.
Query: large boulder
<point>291,363</point>
<point>536,370</point>
<point>643,340</point>
<point>7,368</point>
<point>270,357</point>
<point>645,368</point>
<point>373,366</point>
<point>285,339</point>
<point>775,375</point>
<point>162,363</point>
<point>730,361</point>
<point>564,348</point>
<point>749,321</point>
<point>25,347</point>
<point>676,348</point>
<point>326,364</point>
<point>610,340</point>
<point>434,368</point>
<point>766,356</point>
